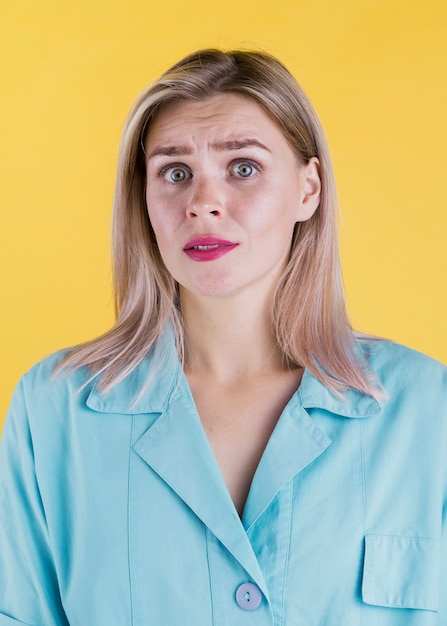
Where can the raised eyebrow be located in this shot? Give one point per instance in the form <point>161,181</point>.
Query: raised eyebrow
<point>169,151</point>
<point>220,146</point>
<point>239,144</point>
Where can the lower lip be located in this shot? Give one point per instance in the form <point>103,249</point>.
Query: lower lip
<point>209,254</point>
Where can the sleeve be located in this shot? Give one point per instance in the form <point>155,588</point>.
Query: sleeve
<point>443,581</point>
<point>442,408</point>
<point>29,592</point>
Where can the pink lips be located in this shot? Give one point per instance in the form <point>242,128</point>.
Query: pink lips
<point>207,248</point>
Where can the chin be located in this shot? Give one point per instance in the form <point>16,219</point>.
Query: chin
<point>211,289</point>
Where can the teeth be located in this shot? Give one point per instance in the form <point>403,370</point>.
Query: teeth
<point>206,247</point>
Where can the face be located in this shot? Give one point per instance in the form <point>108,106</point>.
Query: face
<point>224,191</point>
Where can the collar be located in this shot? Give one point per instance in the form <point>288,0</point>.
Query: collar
<point>315,395</point>
<point>147,389</point>
<point>150,386</point>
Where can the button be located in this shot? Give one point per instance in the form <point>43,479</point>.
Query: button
<point>248,596</point>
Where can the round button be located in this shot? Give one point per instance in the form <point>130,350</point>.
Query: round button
<point>248,596</point>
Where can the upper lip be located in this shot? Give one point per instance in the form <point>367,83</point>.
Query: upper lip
<point>207,241</point>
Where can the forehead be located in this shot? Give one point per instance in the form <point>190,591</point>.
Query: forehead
<point>220,116</point>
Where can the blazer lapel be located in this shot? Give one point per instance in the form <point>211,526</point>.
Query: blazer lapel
<point>177,449</point>
<point>295,443</point>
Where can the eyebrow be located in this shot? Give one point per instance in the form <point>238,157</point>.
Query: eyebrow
<point>219,146</point>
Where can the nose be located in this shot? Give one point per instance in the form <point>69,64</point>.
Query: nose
<point>206,199</point>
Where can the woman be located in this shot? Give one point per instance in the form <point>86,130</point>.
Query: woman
<point>230,452</point>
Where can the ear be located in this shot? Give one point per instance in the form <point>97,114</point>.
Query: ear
<point>311,190</point>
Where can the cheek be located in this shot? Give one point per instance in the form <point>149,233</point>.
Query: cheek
<point>158,219</point>
<point>163,215</point>
<point>270,217</point>
<point>160,237</point>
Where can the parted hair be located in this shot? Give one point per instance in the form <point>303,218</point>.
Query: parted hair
<point>309,315</point>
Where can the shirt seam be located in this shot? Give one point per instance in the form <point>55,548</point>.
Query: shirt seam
<point>210,575</point>
<point>129,550</point>
<point>287,559</point>
<point>363,472</point>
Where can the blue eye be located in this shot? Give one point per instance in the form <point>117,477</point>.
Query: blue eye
<point>243,169</point>
<point>175,174</point>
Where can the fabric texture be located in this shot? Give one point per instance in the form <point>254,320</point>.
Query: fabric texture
<point>113,510</point>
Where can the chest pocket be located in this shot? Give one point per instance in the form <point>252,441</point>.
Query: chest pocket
<point>402,572</point>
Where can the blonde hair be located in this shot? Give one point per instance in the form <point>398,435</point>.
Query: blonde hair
<point>309,313</point>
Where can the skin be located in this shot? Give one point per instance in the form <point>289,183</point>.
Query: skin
<point>252,195</point>
<point>222,168</point>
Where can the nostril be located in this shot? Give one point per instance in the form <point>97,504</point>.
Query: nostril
<point>203,209</point>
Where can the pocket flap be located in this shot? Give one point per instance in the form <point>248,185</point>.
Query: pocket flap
<point>402,572</point>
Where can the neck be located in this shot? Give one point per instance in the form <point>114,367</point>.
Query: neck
<point>229,338</point>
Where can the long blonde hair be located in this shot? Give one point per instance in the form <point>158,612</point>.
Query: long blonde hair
<point>309,313</point>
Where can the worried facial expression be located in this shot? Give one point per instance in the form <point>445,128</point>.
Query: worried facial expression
<point>224,191</point>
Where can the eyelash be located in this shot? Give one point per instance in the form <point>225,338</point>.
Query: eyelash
<point>254,164</point>
<point>173,166</point>
<point>181,166</point>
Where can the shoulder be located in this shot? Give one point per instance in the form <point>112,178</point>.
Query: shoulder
<point>146,388</point>
<point>400,369</point>
<point>41,395</point>
<point>42,378</point>
<point>387,353</point>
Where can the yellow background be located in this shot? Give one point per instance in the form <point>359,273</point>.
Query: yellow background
<point>70,69</point>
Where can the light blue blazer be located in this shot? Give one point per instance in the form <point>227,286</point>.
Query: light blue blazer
<point>114,512</point>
